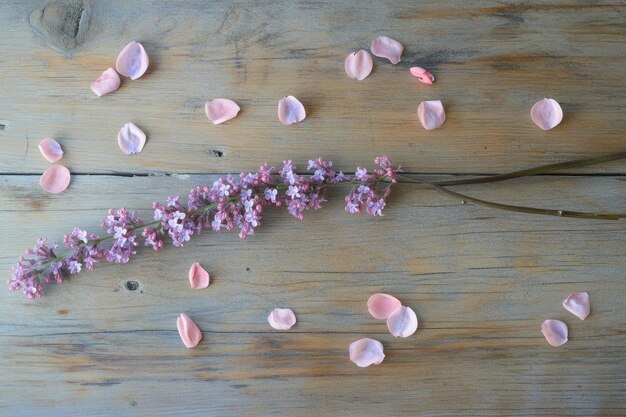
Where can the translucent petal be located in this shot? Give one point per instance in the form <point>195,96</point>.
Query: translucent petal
<point>546,113</point>
<point>555,332</point>
<point>55,179</point>
<point>221,110</point>
<point>385,47</point>
<point>131,139</point>
<point>578,304</point>
<point>359,65</point>
<point>282,318</point>
<point>189,333</point>
<point>403,322</point>
<point>290,110</point>
<point>381,306</point>
<point>366,352</point>
<point>50,149</point>
<point>198,276</point>
<point>431,114</point>
<point>106,83</point>
<point>132,61</point>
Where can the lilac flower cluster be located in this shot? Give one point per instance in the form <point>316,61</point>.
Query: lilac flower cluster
<point>231,202</point>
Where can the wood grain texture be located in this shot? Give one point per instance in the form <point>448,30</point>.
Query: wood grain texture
<point>492,61</point>
<point>480,281</point>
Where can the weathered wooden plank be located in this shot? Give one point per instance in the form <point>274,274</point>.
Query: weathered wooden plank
<point>481,282</point>
<point>492,61</point>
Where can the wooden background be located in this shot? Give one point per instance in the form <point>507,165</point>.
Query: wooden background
<point>480,281</point>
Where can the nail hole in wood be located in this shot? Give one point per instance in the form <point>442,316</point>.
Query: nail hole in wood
<point>132,285</point>
<point>217,153</point>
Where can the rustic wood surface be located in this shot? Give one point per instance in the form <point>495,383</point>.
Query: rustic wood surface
<point>480,281</point>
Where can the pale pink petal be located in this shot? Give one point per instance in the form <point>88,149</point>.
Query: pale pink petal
<point>366,352</point>
<point>555,332</point>
<point>198,276</point>
<point>282,318</point>
<point>290,110</point>
<point>106,83</point>
<point>188,331</point>
<point>359,64</point>
<point>221,110</point>
<point>131,139</point>
<point>431,114</point>
<point>381,306</point>
<point>422,75</point>
<point>50,149</point>
<point>385,47</point>
<point>546,113</point>
<point>578,304</point>
<point>402,322</point>
<point>132,61</point>
<point>55,179</point>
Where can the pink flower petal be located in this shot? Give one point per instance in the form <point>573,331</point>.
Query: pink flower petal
<point>578,304</point>
<point>385,47</point>
<point>132,61</point>
<point>431,114</point>
<point>403,322</point>
<point>50,149</point>
<point>55,179</point>
<point>555,332</point>
<point>359,64</point>
<point>546,113</point>
<point>221,110</point>
<point>366,352</point>
<point>381,306</point>
<point>189,333</point>
<point>198,276</point>
<point>290,110</point>
<point>131,139</point>
<point>282,318</point>
<point>422,75</point>
<point>106,83</point>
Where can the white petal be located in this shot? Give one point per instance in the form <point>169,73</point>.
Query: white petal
<point>381,306</point>
<point>366,352</point>
<point>282,318</point>
<point>290,110</point>
<point>431,114</point>
<point>403,322</point>
<point>106,83</point>
<point>50,149</point>
<point>555,332</point>
<point>546,113</point>
<point>385,47</point>
<point>221,110</point>
<point>132,61</point>
<point>131,139</point>
<point>55,179</point>
<point>358,65</point>
<point>578,304</point>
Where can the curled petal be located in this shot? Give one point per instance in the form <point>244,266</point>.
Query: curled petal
<point>381,306</point>
<point>555,332</point>
<point>282,318</point>
<point>546,113</point>
<point>189,333</point>
<point>55,179</point>
<point>385,47</point>
<point>431,114</point>
<point>50,149</point>
<point>221,110</point>
<point>359,64</point>
<point>198,276</point>
<point>422,75</point>
<point>290,110</point>
<point>366,352</point>
<point>403,322</point>
<point>106,83</point>
<point>132,61</point>
<point>131,139</point>
<point>578,304</point>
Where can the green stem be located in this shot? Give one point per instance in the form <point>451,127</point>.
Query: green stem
<point>519,209</point>
<point>540,170</point>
